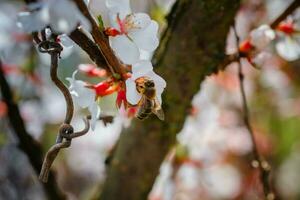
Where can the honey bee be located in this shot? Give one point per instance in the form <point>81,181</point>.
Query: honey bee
<point>149,102</point>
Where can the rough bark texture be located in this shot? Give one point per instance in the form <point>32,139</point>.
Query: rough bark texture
<point>194,50</point>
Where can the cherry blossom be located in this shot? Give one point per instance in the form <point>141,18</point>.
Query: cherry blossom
<point>261,37</point>
<point>52,13</point>
<point>288,45</point>
<point>92,71</point>
<point>84,97</point>
<point>130,32</point>
<point>254,47</point>
<point>143,69</point>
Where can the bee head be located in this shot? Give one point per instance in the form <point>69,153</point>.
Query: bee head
<point>149,84</point>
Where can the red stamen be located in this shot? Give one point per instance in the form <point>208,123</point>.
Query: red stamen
<point>112,32</point>
<point>121,24</point>
<point>105,88</point>
<point>286,27</point>
<point>121,98</point>
<point>246,46</point>
<point>92,70</point>
<point>131,112</point>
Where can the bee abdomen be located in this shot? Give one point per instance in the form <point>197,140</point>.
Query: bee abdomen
<point>145,110</point>
<point>143,113</point>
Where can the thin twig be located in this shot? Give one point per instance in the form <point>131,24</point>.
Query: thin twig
<point>258,162</point>
<point>66,131</point>
<point>62,87</point>
<point>50,157</point>
<point>289,10</point>
<point>26,143</point>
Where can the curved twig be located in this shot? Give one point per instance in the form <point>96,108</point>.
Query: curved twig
<point>79,133</point>
<point>61,86</point>
<point>50,157</point>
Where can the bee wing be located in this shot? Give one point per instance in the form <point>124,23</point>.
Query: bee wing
<point>142,101</point>
<point>157,110</point>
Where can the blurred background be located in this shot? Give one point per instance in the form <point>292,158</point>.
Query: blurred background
<point>211,159</point>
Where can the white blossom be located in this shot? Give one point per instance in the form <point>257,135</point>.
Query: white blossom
<point>143,69</point>
<point>288,47</point>
<point>262,36</point>
<point>85,98</point>
<point>136,31</point>
<point>63,16</point>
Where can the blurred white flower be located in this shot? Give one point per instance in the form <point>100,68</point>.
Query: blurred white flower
<point>52,13</point>
<point>14,44</point>
<point>261,58</point>
<point>261,37</point>
<point>143,69</point>
<point>288,177</point>
<point>85,98</point>
<point>131,32</point>
<point>288,45</point>
<point>34,119</point>
<point>163,187</point>
<point>222,181</point>
<point>6,27</point>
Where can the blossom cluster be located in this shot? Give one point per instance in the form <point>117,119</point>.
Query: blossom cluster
<point>131,35</point>
<point>286,37</point>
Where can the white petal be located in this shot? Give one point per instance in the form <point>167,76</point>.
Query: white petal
<point>262,36</point>
<point>288,48</point>
<point>141,68</point>
<point>146,39</point>
<point>125,49</point>
<point>132,95</point>
<point>119,6</point>
<point>31,22</point>
<point>260,59</point>
<point>83,96</point>
<point>95,113</point>
<point>137,21</point>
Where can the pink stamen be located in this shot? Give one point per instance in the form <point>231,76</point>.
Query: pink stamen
<point>121,24</point>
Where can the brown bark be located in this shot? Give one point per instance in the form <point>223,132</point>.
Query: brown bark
<point>194,50</point>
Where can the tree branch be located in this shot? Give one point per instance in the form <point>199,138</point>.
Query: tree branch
<point>87,45</point>
<point>195,50</point>
<point>258,162</point>
<point>289,10</point>
<point>26,143</point>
